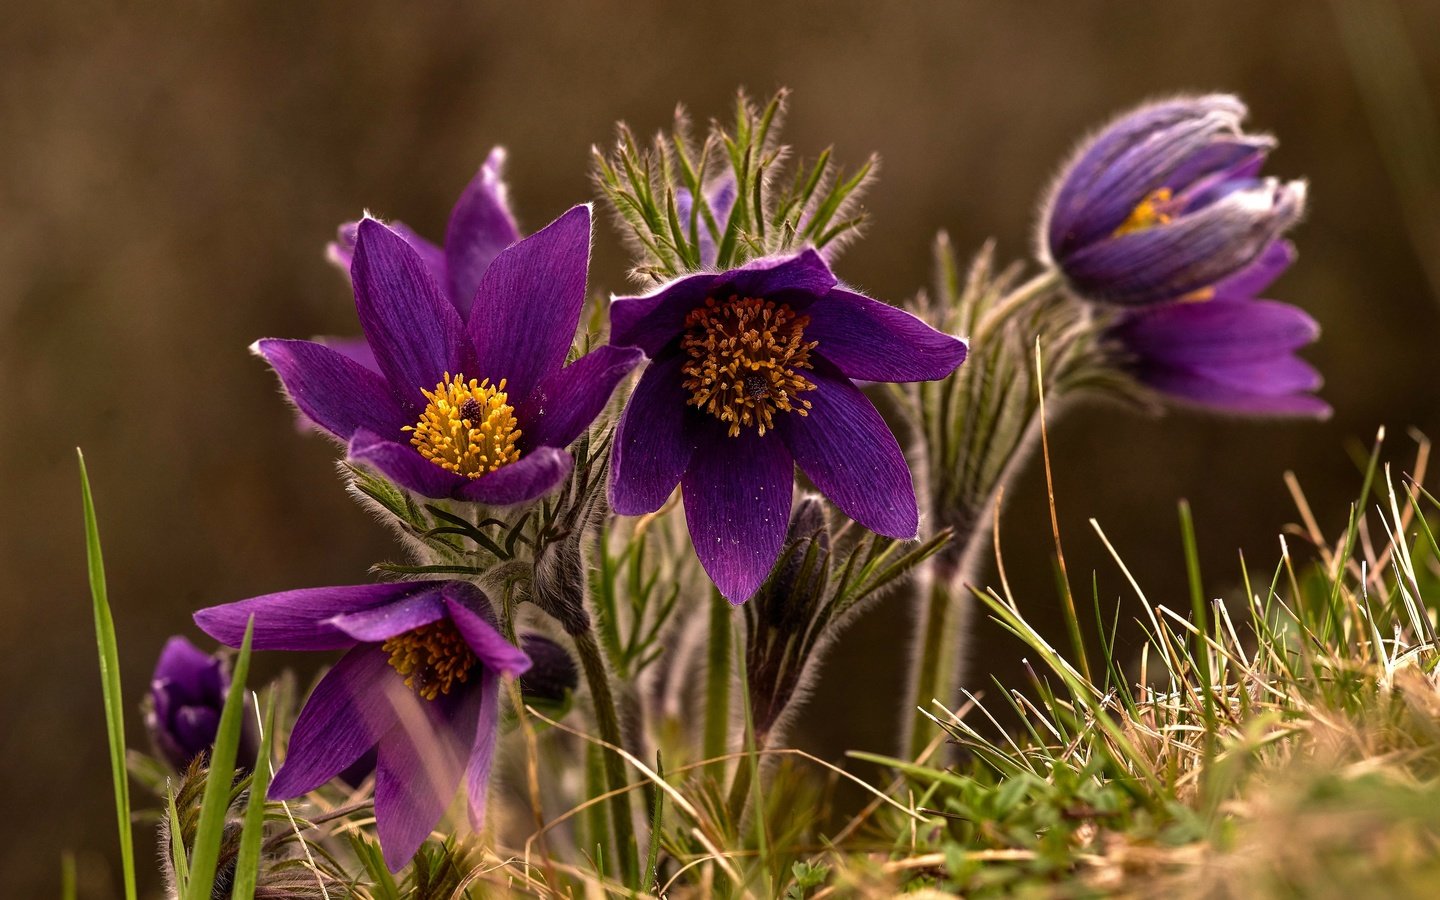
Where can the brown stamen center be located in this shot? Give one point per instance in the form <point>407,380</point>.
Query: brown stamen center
<point>433,658</point>
<point>745,356</point>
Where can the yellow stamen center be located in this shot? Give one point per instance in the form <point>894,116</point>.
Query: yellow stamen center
<point>433,658</point>
<point>468,427</point>
<point>1147,213</point>
<point>744,356</point>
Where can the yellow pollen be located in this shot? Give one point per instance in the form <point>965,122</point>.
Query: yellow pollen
<point>433,658</point>
<point>468,427</point>
<point>1147,213</point>
<point>744,356</point>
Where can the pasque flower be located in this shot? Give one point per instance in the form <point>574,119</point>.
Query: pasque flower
<point>420,686</point>
<point>751,373</point>
<point>1165,202</point>
<point>467,400</point>
<point>480,226</point>
<point>187,695</point>
<point>1232,352</point>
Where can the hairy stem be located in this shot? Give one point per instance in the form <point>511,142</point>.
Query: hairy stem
<point>608,722</point>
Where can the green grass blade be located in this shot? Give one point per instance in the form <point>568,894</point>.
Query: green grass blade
<point>247,862</point>
<point>179,864</point>
<point>67,876</point>
<point>109,681</point>
<point>1200,655</point>
<point>657,821</point>
<point>219,779</point>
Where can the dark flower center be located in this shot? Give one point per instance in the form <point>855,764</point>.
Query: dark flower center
<point>745,354</point>
<point>433,658</point>
<point>468,427</point>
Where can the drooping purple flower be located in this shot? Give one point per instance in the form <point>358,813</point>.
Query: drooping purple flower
<point>420,686</point>
<point>1164,202</point>
<point>466,401</point>
<point>751,373</point>
<point>187,695</point>
<point>1232,352</point>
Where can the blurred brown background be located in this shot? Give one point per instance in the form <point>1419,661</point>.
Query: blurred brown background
<point>172,171</point>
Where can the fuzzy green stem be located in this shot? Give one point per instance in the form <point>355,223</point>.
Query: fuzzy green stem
<point>936,669</point>
<point>608,722</point>
<point>717,681</point>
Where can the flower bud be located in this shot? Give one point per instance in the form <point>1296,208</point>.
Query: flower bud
<point>552,676</point>
<point>782,621</point>
<point>1165,203</point>
<point>182,711</point>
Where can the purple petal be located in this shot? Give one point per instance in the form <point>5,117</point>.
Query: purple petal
<point>737,503</point>
<point>419,765</point>
<point>188,671</point>
<point>341,251</point>
<point>1199,390</point>
<point>347,714</point>
<point>355,348</point>
<point>1270,377</point>
<point>297,620</point>
<point>195,728</point>
<point>404,465</point>
<point>848,451</point>
<point>1259,275</point>
<point>374,626</point>
<point>528,303</point>
<point>874,341</point>
<point>1138,152</point>
<point>654,440</point>
<point>531,476</point>
<point>1215,332</point>
<point>1195,251</point>
<point>567,401</point>
<point>482,752</point>
<point>481,225</point>
<point>463,602</point>
<point>415,332</point>
<point>332,390</point>
<point>720,196</point>
<point>652,321</point>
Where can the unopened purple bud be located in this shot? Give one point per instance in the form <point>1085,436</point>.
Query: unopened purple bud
<point>552,675</point>
<point>1165,203</point>
<point>187,695</point>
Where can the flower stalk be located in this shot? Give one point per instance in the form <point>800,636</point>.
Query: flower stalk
<point>979,426</point>
<point>607,721</point>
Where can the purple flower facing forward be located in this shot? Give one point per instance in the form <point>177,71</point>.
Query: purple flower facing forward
<point>751,373</point>
<point>474,406</point>
<point>420,686</point>
<point>182,711</point>
<point>1164,202</point>
<point>1231,353</point>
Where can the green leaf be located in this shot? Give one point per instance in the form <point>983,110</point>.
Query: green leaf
<point>109,681</point>
<point>219,780</point>
<point>247,861</point>
<point>178,862</point>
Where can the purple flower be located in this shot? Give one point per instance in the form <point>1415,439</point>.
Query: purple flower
<point>182,711</point>
<point>751,373</point>
<point>420,686</point>
<point>470,401</point>
<point>480,226</point>
<point>1166,201</point>
<point>720,198</point>
<point>1232,352</point>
